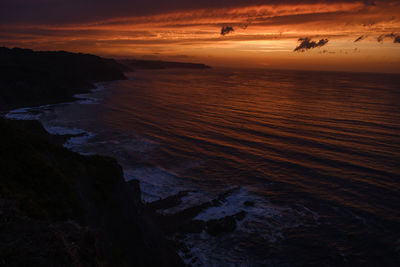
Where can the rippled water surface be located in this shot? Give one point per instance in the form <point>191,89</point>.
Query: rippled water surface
<point>317,152</point>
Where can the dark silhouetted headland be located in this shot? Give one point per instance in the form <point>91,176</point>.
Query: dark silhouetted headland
<point>29,78</point>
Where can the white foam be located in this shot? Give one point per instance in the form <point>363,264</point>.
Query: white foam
<point>193,198</point>
<point>59,130</point>
<point>232,205</point>
<point>87,99</point>
<point>207,251</point>
<point>22,114</point>
<point>99,87</point>
<point>263,222</point>
<point>262,219</point>
<point>90,98</point>
<point>31,113</point>
<point>155,183</point>
<point>74,143</point>
<point>34,113</point>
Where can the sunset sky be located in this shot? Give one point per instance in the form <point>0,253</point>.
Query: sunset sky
<point>257,33</point>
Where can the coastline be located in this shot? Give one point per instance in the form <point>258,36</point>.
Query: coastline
<point>166,227</point>
<point>86,212</point>
<point>59,208</point>
<point>171,223</point>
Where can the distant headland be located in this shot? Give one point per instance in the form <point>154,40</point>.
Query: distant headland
<point>33,78</point>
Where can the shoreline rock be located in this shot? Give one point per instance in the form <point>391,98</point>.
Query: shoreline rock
<point>183,221</point>
<point>59,208</point>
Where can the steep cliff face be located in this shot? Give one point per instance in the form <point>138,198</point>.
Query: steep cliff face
<point>59,208</point>
<point>30,78</point>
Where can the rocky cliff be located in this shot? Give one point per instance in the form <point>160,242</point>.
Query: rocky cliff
<point>59,208</point>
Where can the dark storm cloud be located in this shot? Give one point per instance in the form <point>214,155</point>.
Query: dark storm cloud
<point>226,30</point>
<point>394,37</point>
<point>307,44</point>
<point>362,37</point>
<point>383,36</point>
<point>369,3</point>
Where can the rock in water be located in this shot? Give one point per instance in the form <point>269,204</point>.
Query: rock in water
<point>223,225</point>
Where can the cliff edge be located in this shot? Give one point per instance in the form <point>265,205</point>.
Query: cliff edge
<point>59,208</point>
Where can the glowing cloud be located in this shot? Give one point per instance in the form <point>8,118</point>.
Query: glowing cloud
<point>194,28</point>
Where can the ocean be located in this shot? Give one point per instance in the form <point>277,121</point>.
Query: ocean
<point>316,152</point>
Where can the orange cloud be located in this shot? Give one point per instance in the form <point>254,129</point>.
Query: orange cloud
<point>196,32</point>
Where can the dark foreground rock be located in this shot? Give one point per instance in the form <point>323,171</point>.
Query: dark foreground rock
<point>184,221</point>
<point>178,225</point>
<point>224,225</point>
<point>58,208</point>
